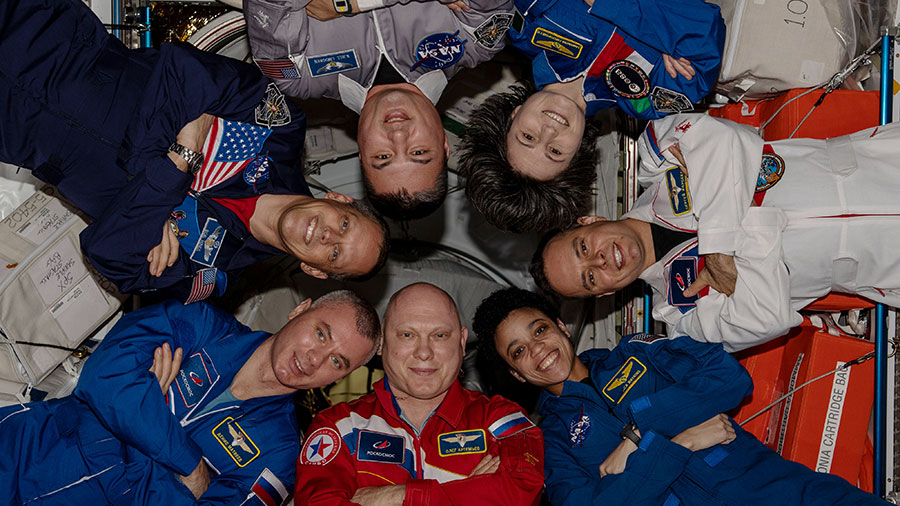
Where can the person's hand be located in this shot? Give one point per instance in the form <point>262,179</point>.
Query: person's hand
<point>198,481</point>
<point>387,495</point>
<point>615,462</point>
<point>458,6</point>
<point>719,272</point>
<point>680,66</point>
<point>193,135</point>
<point>487,465</point>
<point>166,365</point>
<point>165,253</point>
<point>716,430</point>
<point>323,10</point>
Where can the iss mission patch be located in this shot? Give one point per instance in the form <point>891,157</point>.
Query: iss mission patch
<point>627,80</point>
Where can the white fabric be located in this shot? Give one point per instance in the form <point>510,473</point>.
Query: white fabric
<point>840,201</point>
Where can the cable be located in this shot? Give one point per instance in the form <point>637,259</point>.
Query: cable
<point>858,360</point>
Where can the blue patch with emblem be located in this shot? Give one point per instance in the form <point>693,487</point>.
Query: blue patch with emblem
<point>380,447</point>
<point>462,442</point>
<point>332,63</point>
<point>439,50</point>
<point>770,171</point>
<point>235,441</point>
<point>207,247</point>
<point>194,379</point>
<point>183,221</point>
<point>625,378</point>
<point>257,170</point>
<point>682,274</point>
<point>679,195</point>
<point>579,428</point>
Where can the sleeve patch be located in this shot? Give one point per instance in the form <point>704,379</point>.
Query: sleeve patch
<point>269,489</point>
<point>510,425</point>
<point>321,447</point>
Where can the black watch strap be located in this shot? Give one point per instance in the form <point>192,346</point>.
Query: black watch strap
<point>628,432</point>
<point>193,158</point>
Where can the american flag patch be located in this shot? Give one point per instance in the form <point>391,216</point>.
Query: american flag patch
<point>269,489</point>
<point>510,425</point>
<point>278,69</point>
<point>229,147</point>
<point>203,285</point>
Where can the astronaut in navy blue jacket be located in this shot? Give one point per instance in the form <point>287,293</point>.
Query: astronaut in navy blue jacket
<point>189,163</point>
<point>223,419</point>
<point>642,424</point>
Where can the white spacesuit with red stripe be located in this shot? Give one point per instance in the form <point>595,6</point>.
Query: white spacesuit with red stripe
<point>827,221</point>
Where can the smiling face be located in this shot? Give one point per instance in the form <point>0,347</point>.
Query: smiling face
<point>328,235</point>
<point>402,144</point>
<point>596,259</point>
<point>544,135</point>
<point>536,348</point>
<point>424,343</point>
<point>319,346</point>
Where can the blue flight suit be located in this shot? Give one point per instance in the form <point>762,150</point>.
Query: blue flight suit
<point>118,440</point>
<point>622,43</point>
<point>96,120</point>
<point>666,386</point>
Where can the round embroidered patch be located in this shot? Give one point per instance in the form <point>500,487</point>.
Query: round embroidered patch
<point>439,50</point>
<point>579,428</point>
<point>321,447</point>
<point>770,171</point>
<point>627,80</point>
<point>257,171</point>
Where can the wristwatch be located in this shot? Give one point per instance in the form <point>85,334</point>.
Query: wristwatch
<point>342,6</point>
<point>193,158</point>
<point>629,433</point>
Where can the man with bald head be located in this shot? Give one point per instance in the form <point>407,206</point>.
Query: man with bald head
<point>420,437</point>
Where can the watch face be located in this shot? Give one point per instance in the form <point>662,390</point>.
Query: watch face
<point>341,5</point>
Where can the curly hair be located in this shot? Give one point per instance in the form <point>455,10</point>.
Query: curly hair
<point>383,246</point>
<point>402,205</point>
<point>507,199</point>
<point>494,309</point>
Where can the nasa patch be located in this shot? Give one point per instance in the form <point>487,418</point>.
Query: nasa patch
<point>579,428</point>
<point>670,101</point>
<point>332,63</point>
<point>462,442</point>
<point>209,243</point>
<point>625,378</point>
<point>492,30</point>
<point>679,194</point>
<point>770,171</point>
<point>380,447</point>
<point>321,447</point>
<point>193,380</point>
<point>235,441</point>
<point>257,170</point>
<point>273,109</point>
<point>439,50</point>
<point>627,80</point>
<point>545,39</point>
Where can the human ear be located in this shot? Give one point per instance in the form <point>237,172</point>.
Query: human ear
<point>562,327</point>
<point>587,220</point>
<point>340,197</point>
<point>312,271</point>
<point>516,375</point>
<point>300,309</point>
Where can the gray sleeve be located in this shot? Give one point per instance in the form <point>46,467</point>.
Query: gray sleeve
<point>277,30</point>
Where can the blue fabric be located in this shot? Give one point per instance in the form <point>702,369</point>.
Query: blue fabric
<point>96,119</point>
<point>688,382</point>
<point>691,29</point>
<point>120,430</point>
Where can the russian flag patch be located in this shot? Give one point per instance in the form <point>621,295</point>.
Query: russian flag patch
<point>269,489</point>
<point>510,425</point>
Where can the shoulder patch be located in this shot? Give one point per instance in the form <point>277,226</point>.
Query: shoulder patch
<point>321,447</point>
<point>645,338</point>
<point>550,41</point>
<point>627,80</point>
<point>625,378</point>
<point>375,446</point>
<point>682,272</point>
<point>579,428</point>
<point>273,110</point>
<point>332,63</point>
<point>462,442</point>
<point>269,489</point>
<point>236,442</point>
<point>439,50</point>
<point>209,243</point>
<point>770,171</point>
<point>670,101</point>
<point>281,68</point>
<point>510,425</point>
<point>194,379</point>
<point>492,30</point>
<point>679,193</point>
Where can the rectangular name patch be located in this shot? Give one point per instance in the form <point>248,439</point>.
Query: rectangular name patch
<point>193,380</point>
<point>625,378</point>
<point>380,447</point>
<point>462,443</point>
<point>679,195</point>
<point>209,243</point>
<point>332,63</point>
<point>235,441</point>
<point>556,43</point>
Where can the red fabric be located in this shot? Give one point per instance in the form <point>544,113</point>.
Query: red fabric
<point>243,208</point>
